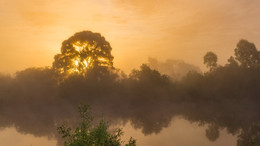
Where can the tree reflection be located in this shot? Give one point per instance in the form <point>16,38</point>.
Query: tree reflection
<point>226,97</point>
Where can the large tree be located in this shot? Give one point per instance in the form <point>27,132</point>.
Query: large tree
<point>247,54</point>
<point>83,51</point>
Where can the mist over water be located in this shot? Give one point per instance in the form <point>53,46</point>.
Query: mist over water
<point>180,132</point>
<point>36,100</point>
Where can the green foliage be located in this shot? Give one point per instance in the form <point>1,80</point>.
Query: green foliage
<point>87,135</point>
<point>250,136</point>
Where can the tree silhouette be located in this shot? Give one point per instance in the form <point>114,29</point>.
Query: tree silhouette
<point>83,51</point>
<point>247,54</point>
<point>232,62</point>
<point>210,60</point>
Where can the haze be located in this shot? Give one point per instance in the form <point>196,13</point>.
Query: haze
<point>170,72</point>
<point>32,30</point>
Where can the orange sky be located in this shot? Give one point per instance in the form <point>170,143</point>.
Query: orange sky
<point>32,30</point>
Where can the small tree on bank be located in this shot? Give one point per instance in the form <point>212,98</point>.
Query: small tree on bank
<point>87,135</point>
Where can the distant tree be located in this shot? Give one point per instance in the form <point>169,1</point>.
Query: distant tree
<point>87,135</point>
<point>149,76</point>
<point>232,62</point>
<point>210,60</point>
<point>247,54</point>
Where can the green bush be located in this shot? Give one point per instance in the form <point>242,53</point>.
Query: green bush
<point>86,134</point>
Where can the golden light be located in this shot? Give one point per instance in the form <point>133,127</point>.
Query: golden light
<point>80,54</point>
<point>85,63</point>
<point>79,46</point>
<point>76,62</point>
<point>102,61</point>
<point>80,64</point>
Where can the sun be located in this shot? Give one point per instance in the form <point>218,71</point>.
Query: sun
<point>80,63</point>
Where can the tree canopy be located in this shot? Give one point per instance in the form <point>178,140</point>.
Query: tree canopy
<point>226,97</point>
<point>210,60</point>
<point>83,51</point>
<point>247,54</point>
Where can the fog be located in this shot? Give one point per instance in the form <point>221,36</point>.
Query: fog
<point>180,132</point>
<point>36,100</point>
<point>32,30</point>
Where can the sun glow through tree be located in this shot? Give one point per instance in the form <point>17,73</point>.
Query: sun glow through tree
<point>83,51</point>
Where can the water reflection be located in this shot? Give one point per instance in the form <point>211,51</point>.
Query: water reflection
<point>34,102</point>
<point>10,137</point>
<point>226,97</point>
<point>180,132</point>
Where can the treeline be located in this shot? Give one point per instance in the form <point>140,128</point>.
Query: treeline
<point>37,99</point>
